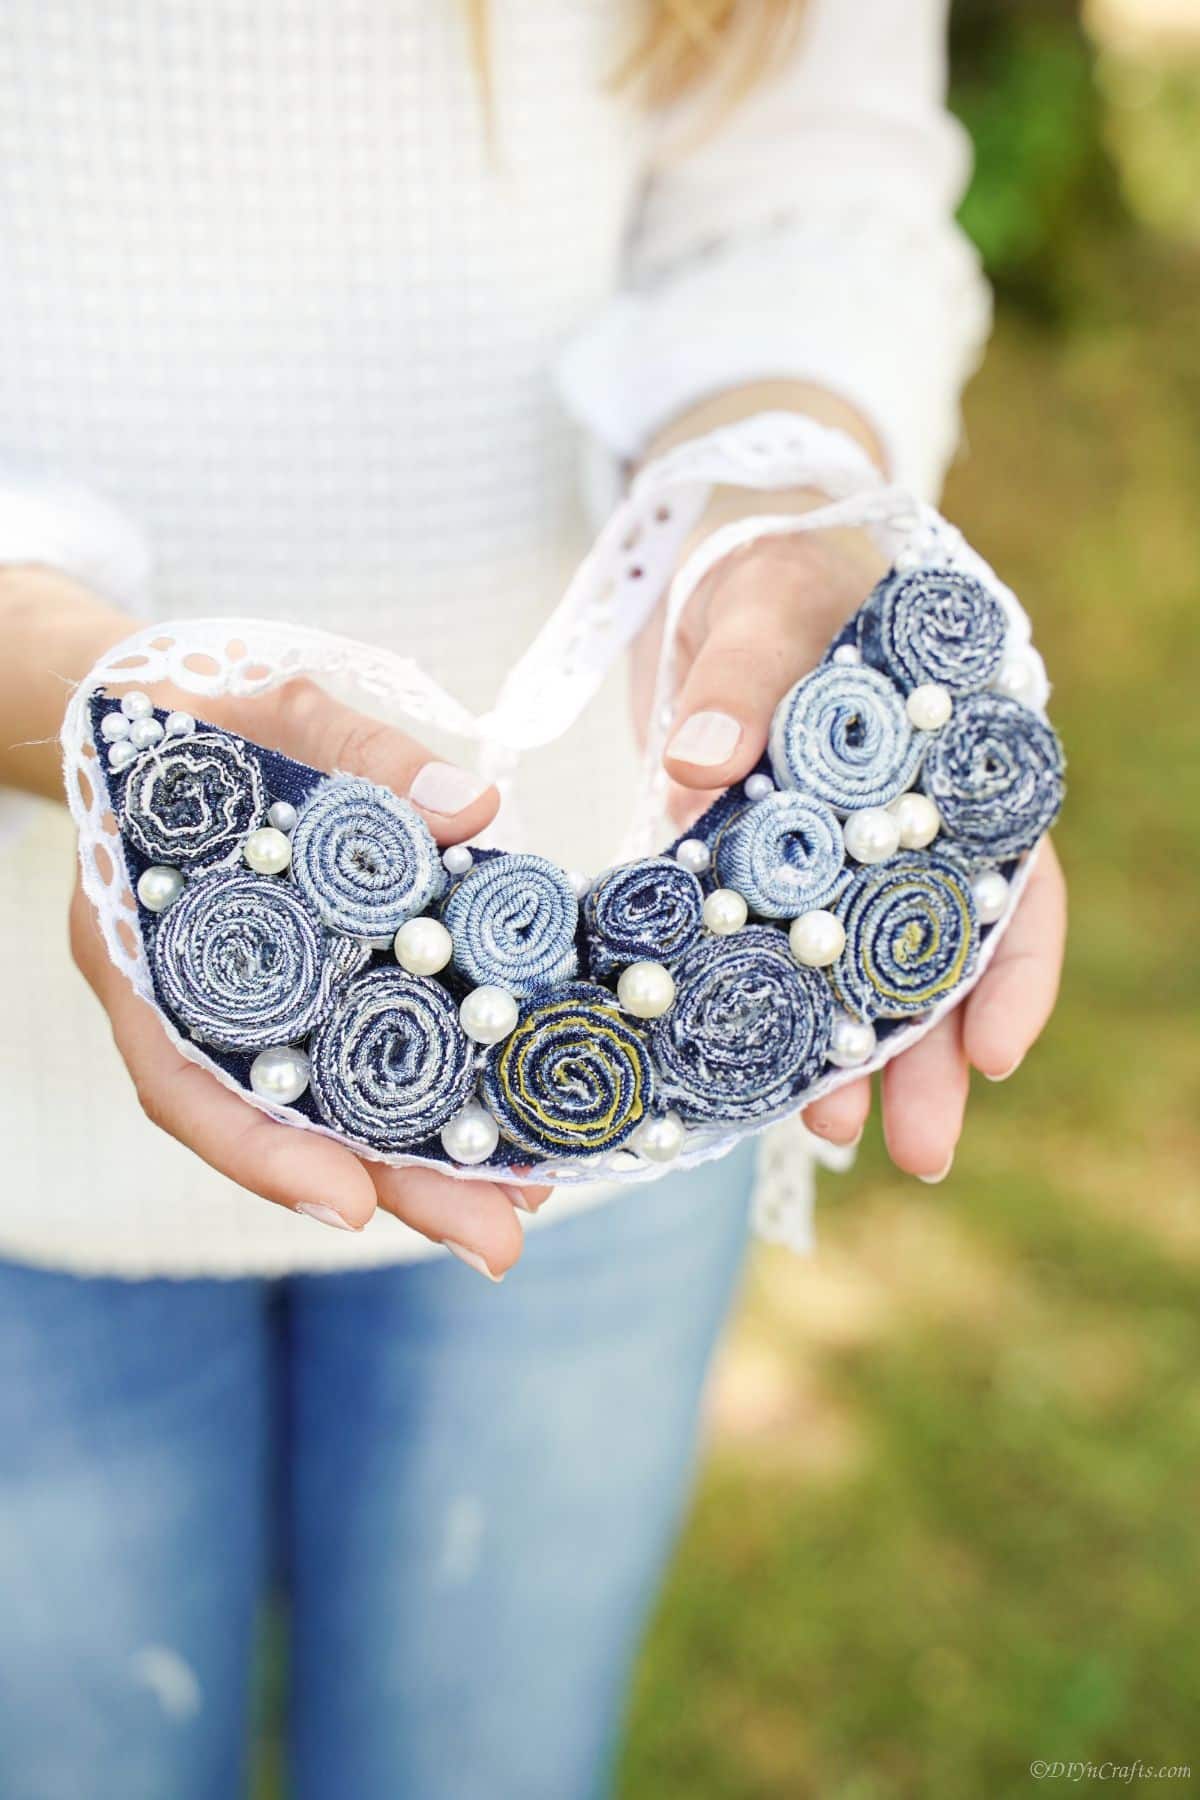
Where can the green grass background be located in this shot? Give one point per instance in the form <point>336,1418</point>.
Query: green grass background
<point>948,1518</point>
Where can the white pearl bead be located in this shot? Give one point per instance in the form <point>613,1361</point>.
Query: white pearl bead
<point>488,1014</point>
<point>279,1074</point>
<point>660,1140</point>
<point>180,724</point>
<point>267,851</point>
<point>847,655</point>
<point>692,855</point>
<point>121,755</point>
<point>1015,678</point>
<point>646,989</point>
<point>580,883</point>
<point>871,835</point>
<point>817,938</point>
<point>990,893</point>
<point>114,725</point>
<point>144,732</point>
<point>929,706</point>
<point>282,815</point>
<point>158,887</point>
<point>725,912</point>
<point>423,946</point>
<point>471,1135</point>
<point>137,706</point>
<point>917,819</point>
<point>852,1041</point>
<point>457,859</point>
<point>757,787</point>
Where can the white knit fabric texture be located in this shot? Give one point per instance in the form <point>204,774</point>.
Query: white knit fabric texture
<point>272,301</point>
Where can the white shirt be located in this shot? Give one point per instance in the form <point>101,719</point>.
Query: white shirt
<point>283,333</point>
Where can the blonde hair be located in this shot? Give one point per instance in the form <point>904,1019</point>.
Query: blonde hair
<point>683,46</point>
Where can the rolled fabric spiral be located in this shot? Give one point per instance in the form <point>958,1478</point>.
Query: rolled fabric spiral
<point>365,858</point>
<point>933,625</point>
<point>513,921</point>
<point>911,936</point>
<point>390,1064</point>
<point>648,910</point>
<point>995,773</point>
<point>749,1029</point>
<point>842,734</point>
<point>241,961</point>
<point>785,855</point>
<point>573,1079</point>
<point>190,802</point>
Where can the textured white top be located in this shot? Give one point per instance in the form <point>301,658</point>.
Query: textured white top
<point>280,333</point>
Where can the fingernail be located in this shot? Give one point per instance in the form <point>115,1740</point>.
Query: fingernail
<point>1011,1070</point>
<point>472,1259</point>
<point>518,1197</point>
<point>325,1215</point>
<point>445,788</point>
<point>932,1180</point>
<point>706,739</point>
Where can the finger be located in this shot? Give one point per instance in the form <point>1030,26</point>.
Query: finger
<point>309,724</point>
<point>474,1219</point>
<point>839,1117</point>
<point>924,1096</point>
<point>1017,990</point>
<point>301,1171</point>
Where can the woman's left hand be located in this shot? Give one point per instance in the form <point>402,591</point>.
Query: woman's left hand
<point>761,619</point>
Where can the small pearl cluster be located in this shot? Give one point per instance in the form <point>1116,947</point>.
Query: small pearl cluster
<point>134,728</point>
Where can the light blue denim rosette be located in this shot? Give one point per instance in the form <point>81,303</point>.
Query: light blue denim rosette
<point>995,773</point>
<point>391,1064</point>
<point>513,921</point>
<point>748,1030</point>
<point>241,961</point>
<point>191,802</point>
<point>912,935</point>
<point>573,1079</point>
<point>933,625</point>
<point>842,734</point>
<point>647,910</point>
<point>785,855</point>
<point>365,858</point>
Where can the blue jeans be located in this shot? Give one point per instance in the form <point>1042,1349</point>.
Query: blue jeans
<point>468,1494</point>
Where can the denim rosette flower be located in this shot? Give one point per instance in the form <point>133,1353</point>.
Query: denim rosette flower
<point>390,1064</point>
<point>573,1079</point>
<point>241,961</point>
<point>995,773</point>
<point>933,625</point>
<point>842,734</point>
<point>191,802</point>
<point>649,909</point>
<point>749,1029</point>
<point>784,854</point>
<point>911,937</point>
<point>513,920</point>
<point>365,858</point>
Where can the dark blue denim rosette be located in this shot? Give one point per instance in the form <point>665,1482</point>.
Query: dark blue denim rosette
<point>911,937</point>
<point>194,801</point>
<point>933,625</point>
<point>995,773</point>
<point>645,910</point>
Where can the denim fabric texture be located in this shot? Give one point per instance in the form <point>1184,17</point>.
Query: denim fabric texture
<point>785,855</point>
<point>995,773</point>
<point>365,858</point>
<point>573,1077</point>
<point>933,625</point>
<point>390,1064</point>
<point>749,1028</point>
<point>194,801</point>
<point>912,935</point>
<point>465,1494</point>
<point>842,734</point>
<point>242,961</point>
<point>641,911</point>
<point>513,920</point>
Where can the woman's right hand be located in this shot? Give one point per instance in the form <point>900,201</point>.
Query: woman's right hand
<point>301,1170</point>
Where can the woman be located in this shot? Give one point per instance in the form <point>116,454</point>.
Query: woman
<point>306,316</point>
